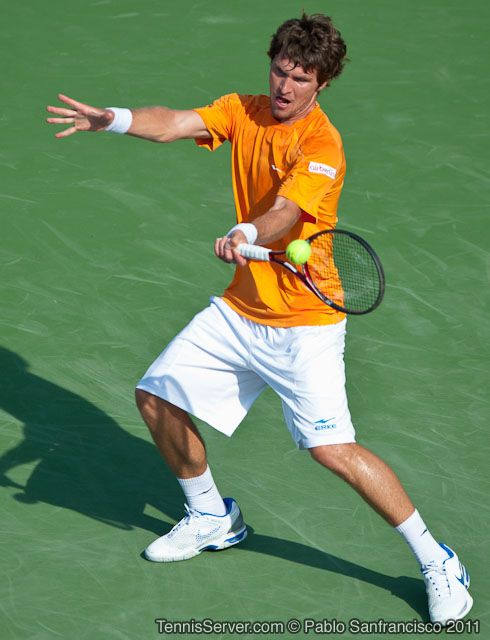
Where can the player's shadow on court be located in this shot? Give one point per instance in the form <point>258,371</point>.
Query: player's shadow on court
<point>84,461</point>
<point>411,590</point>
<point>81,458</point>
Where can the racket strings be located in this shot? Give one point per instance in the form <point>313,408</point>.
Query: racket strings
<point>344,271</point>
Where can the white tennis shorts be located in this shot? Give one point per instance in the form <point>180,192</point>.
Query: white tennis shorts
<point>220,363</point>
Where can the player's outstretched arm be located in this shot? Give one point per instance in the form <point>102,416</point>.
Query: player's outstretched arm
<point>158,124</point>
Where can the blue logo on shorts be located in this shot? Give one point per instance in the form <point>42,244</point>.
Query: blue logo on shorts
<point>323,424</point>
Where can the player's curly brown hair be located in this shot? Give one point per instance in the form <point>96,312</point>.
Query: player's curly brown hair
<point>313,43</point>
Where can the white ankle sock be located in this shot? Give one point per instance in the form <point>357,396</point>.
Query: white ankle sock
<point>419,539</point>
<point>202,494</point>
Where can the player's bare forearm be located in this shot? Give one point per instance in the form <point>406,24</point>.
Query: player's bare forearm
<point>277,221</point>
<point>160,124</point>
<point>153,123</point>
<point>271,226</point>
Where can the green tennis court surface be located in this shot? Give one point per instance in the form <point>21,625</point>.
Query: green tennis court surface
<point>106,254</point>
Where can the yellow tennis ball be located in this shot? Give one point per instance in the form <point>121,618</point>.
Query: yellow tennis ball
<point>298,251</point>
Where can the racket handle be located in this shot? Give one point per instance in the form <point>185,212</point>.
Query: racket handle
<point>254,252</point>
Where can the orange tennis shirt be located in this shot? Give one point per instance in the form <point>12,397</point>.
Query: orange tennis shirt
<point>303,162</point>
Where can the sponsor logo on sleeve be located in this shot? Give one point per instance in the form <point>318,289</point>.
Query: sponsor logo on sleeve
<point>325,169</point>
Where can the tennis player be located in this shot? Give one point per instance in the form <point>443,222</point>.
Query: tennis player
<point>288,169</point>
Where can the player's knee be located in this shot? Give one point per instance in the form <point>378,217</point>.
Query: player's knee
<point>142,398</point>
<point>160,415</point>
<point>147,405</point>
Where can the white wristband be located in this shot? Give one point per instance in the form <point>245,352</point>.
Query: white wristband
<point>123,118</point>
<point>248,229</point>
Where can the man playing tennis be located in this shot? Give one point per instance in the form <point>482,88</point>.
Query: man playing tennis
<point>288,170</point>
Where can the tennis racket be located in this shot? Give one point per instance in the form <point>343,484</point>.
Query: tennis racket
<point>343,270</point>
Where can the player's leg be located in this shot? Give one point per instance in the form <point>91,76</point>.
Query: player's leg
<point>380,487</point>
<point>182,448</point>
<point>202,372</point>
<point>310,363</point>
<point>372,478</point>
<point>210,521</point>
<point>174,434</point>
<point>446,579</point>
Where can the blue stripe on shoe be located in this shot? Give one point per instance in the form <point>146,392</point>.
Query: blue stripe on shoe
<point>238,537</point>
<point>449,551</point>
<point>232,540</point>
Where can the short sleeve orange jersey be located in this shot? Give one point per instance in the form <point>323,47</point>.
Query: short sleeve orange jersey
<point>303,162</point>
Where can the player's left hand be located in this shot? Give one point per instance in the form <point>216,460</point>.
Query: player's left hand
<point>82,117</point>
<point>226,248</point>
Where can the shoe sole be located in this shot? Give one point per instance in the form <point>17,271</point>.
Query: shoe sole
<point>225,543</point>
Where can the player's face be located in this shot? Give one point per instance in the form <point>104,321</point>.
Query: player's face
<point>293,90</point>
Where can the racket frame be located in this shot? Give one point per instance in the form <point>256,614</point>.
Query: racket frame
<point>304,275</point>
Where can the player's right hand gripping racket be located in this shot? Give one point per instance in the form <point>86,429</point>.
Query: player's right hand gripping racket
<point>343,270</point>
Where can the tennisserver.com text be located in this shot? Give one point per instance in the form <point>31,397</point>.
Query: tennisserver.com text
<point>316,627</point>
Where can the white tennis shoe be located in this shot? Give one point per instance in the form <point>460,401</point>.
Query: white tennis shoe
<point>447,588</point>
<point>199,531</point>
